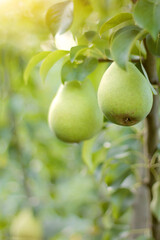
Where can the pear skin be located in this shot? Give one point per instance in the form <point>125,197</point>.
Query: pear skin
<point>124,96</point>
<point>74,114</point>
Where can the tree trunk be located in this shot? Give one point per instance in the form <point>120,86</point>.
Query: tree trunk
<point>142,217</point>
<point>151,135</point>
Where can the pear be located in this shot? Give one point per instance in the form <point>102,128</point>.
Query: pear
<point>74,114</point>
<point>25,226</point>
<point>124,96</point>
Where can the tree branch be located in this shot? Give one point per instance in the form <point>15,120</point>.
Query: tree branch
<point>151,134</point>
<point>109,60</point>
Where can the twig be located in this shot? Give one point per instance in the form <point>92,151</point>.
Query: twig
<point>109,60</point>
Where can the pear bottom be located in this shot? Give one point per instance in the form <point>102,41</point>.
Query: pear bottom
<point>124,96</point>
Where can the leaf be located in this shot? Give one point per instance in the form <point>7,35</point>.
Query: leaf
<point>155,203</point>
<point>90,35</point>
<point>82,10</point>
<point>78,71</point>
<point>153,46</point>
<point>146,75</point>
<point>87,153</point>
<point>50,60</point>
<point>33,62</point>
<point>121,200</point>
<point>93,152</point>
<point>116,172</point>
<point>97,74</point>
<point>59,17</point>
<point>139,49</point>
<point>75,51</point>
<point>114,21</point>
<point>122,43</point>
<point>146,15</point>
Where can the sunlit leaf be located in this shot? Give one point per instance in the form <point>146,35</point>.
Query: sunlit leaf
<point>82,10</point>
<point>59,17</point>
<point>146,15</point>
<point>121,200</point>
<point>50,60</point>
<point>153,46</point>
<point>97,74</point>
<point>33,62</point>
<point>116,172</point>
<point>78,71</point>
<point>114,21</point>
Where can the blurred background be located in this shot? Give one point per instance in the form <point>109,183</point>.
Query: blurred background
<point>76,191</point>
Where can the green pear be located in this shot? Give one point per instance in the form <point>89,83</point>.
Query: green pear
<point>25,226</point>
<point>124,96</point>
<point>74,114</point>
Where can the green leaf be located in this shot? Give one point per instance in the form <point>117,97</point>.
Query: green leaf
<point>153,46</point>
<point>114,21</point>
<point>122,44</point>
<point>146,75</point>
<point>33,62</point>
<point>121,200</point>
<point>59,17</point>
<point>87,153</point>
<point>75,51</point>
<point>155,204</point>
<point>78,71</point>
<point>82,10</point>
<point>146,15</point>
<point>50,60</point>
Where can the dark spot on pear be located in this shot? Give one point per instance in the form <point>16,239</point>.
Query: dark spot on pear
<point>123,119</point>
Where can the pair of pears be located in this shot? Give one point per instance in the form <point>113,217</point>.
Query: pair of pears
<point>124,97</point>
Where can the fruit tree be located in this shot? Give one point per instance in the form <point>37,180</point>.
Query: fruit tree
<point>101,32</point>
<point>102,59</point>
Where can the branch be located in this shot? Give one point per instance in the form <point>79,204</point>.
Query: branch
<point>104,60</point>
<point>109,60</point>
<point>151,134</point>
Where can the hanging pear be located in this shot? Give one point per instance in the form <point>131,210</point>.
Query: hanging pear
<point>124,96</point>
<point>74,113</point>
